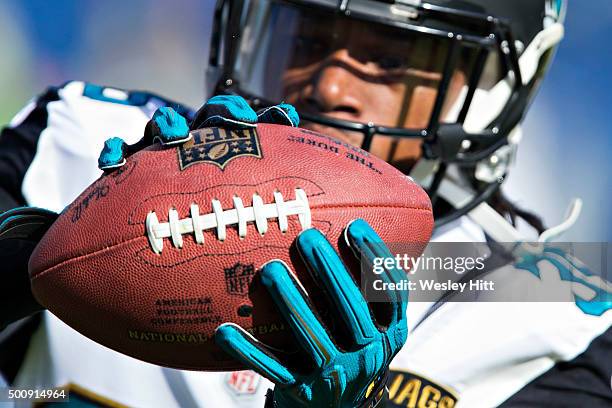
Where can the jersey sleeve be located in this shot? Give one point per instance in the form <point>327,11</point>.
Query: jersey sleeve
<point>18,143</point>
<point>49,151</point>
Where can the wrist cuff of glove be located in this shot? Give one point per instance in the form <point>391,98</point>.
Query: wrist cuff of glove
<point>374,397</point>
<point>378,392</point>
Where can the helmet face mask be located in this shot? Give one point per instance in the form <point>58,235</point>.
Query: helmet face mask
<point>411,78</point>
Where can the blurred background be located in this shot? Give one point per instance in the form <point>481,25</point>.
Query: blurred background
<point>162,47</point>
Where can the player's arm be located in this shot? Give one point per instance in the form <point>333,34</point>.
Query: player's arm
<point>20,230</point>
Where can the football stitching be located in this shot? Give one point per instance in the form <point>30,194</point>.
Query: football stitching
<point>219,219</point>
<point>184,193</point>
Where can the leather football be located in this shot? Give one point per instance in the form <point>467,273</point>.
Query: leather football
<point>153,256</point>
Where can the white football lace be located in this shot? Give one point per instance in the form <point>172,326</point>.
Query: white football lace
<point>220,219</point>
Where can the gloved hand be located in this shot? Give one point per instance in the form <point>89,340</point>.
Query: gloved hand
<point>168,128</point>
<point>341,377</point>
<point>20,231</point>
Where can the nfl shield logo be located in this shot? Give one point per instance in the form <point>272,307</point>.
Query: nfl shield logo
<point>243,383</point>
<point>218,146</point>
<point>238,278</point>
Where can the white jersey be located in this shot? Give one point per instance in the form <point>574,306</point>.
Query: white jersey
<point>461,354</point>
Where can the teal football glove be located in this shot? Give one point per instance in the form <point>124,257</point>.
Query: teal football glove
<point>168,127</point>
<point>20,231</point>
<point>341,377</point>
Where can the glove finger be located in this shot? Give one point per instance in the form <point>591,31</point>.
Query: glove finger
<point>227,111</point>
<point>166,127</point>
<point>326,266</point>
<point>368,246</point>
<point>26,223</point>
<point>293,305</point>
<point>246,349</point>
<point>113,154</point>
<point>283,114</point>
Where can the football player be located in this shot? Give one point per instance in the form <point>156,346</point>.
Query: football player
<point>437,88</point>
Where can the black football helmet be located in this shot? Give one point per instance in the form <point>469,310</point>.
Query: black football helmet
<point>502,47</point>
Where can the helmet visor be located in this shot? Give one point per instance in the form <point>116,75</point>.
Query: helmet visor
<point>352,70</point>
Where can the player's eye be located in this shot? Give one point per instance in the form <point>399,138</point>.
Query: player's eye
<point>311,45</point>
<point>389,62</point>
<point>308,50</point>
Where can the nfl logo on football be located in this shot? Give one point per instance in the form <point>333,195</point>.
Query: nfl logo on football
<point>238,278</point>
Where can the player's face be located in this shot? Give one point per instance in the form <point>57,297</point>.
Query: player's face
<point>361,72</point>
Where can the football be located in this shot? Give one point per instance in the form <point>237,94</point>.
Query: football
<point>153,256</point>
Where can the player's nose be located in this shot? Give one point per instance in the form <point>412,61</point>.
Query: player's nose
<point>335,87</point>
